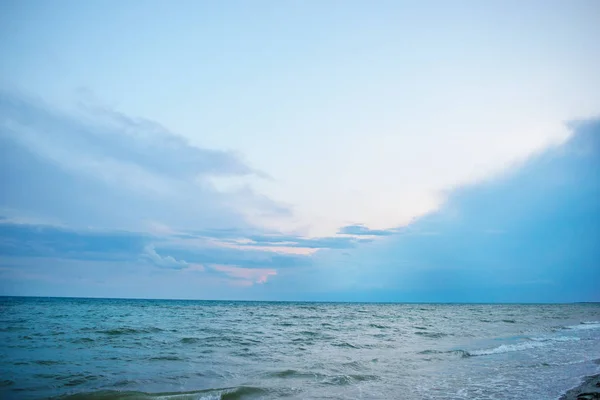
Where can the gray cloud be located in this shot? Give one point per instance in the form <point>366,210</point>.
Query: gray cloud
<point>106,136</point>
<point>20,241</point>
<point>105,169</point>
<point>530,234</point>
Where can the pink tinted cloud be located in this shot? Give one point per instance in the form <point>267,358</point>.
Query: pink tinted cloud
<point>246,244</point>
<point>246,276</point>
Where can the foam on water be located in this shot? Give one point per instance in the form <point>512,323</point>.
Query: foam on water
<point>528,343</point>
<point>586,325</point>
<point>556,339</point>
<point>508,348</point>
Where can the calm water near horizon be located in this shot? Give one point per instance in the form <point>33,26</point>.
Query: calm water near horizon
<point>119,348</point>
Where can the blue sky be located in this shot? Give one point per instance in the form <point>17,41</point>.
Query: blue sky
<point>398,151</point>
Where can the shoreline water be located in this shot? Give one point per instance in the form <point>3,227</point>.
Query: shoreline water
<point>589,389</point>
<point>55,348</point>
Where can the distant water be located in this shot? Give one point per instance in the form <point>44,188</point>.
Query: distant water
<point>156,349</point>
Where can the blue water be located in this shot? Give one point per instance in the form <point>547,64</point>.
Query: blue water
<point>105,348</point>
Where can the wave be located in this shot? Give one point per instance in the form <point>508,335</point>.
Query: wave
<point>167,358</point>
<point>128,331</point>
<point>341,380</point>
<point>506,348</point>
<point>82,340</point>
<point>323,378</point>
<point>459,353</point>
<point>354,365</point>
<point>531,343</point>
<point>47,362</point>
<point>378,326</point>
<point>584,326</point>
<point>236,393</point>
<point>189,340</point>
<point>309,333</point>
<point>292,373</point>
<point>555,339</point>
<point>13,329</point>
<point>345,344</point>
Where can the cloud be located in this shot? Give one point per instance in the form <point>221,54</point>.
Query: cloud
<point>247,276</point>
<point>88,201</point>
<point>163,261</point>
<point>26,240</point>
<point>363,230</point>
<point>163,250</point>
<point>529,234</point>
<point>57,260</point>
<point>104,169</point>
<point>105,137</point>
<point>277,241</point>
<point>207,251</point>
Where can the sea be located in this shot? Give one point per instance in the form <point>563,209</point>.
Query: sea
<point>77,348</point>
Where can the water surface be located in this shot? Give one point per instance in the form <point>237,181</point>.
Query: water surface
<point>107,348</point>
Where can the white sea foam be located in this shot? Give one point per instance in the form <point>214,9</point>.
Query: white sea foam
<point>556,339</point>
<point>507,348</point>
<point>532,344</point>
<point>585,326</point>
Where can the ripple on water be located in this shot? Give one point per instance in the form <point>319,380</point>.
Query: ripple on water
<point>167,357</point>
<point>123,331</point>
<point>79,380</point>
<point>354,365</point>
<point>345,344</point>
<point>189,340</point>
<point>455,353</point>
<point>378,326</point>
<point>292,373</point>
<point>83,340</point>
<point>431,335</point>
<point>47,362</point>
<point>12,329</point>
<point>341,380</point>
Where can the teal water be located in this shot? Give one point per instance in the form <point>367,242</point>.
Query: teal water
<point>170,349</point>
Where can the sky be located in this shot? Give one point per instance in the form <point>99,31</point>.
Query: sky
<point>432,151</point>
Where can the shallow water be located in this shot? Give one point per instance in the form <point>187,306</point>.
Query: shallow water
<point>168,349</point>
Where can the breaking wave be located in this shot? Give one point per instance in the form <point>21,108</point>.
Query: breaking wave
<point>531,343</point>
<point>585,326</point>
<point>237,393</point>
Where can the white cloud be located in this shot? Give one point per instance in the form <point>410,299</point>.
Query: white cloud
<point>163,261</point>
<point>246,276</point>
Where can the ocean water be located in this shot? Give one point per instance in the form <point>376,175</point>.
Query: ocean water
<point>169,349</point>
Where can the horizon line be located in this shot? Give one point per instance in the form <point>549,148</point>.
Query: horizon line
<point>301,301</point>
